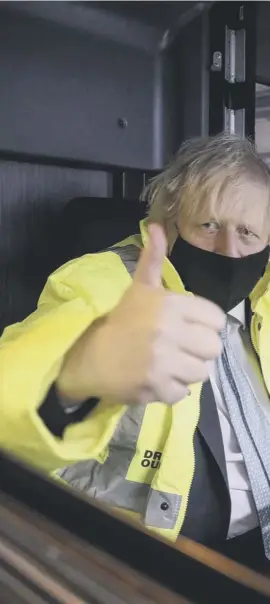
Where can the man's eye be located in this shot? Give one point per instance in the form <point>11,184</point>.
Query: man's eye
<point>211,226</point>
<point>245,232</point>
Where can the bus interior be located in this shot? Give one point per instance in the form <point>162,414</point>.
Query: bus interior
<point>96,97</point>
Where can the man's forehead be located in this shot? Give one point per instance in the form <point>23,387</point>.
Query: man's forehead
<point>247,204</point>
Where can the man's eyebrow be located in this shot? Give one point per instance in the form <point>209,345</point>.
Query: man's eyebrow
<point>255,228</point>
<point>246,225</point>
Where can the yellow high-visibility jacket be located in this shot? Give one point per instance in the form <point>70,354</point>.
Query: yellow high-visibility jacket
<point>123,455</point>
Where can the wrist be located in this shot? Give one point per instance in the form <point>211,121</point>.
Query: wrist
<point>67,402</point>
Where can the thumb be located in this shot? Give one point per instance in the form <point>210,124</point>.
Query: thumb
<point>149,269</point>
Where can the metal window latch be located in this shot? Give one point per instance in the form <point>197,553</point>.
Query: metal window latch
<point>217,61</point>
<point>235,55</point>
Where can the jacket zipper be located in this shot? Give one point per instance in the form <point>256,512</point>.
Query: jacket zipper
<point>251,328</point>
<point>193,468</point>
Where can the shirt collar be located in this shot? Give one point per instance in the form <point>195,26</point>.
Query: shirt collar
<point>238,313</point>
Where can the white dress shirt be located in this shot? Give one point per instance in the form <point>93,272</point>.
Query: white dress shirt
<point>243,511</point>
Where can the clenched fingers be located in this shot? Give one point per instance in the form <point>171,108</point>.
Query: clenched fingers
<point>169,391</point>
<point>180,366</point>
<point>199,341</point>
<point>194,309</point>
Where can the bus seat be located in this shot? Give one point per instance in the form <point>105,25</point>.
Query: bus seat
<point>90,224</point>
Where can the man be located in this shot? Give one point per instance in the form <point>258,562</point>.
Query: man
<point>109,379</point>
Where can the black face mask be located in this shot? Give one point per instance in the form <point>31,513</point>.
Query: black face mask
<point>224,280</point>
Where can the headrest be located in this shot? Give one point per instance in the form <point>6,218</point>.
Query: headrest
<point>89,224</point>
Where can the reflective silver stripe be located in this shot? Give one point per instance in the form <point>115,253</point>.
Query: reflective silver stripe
<point>107,482</point>
<point>162,509</point>
<point>129,255</point>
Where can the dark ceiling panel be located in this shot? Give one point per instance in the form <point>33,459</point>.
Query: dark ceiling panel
<point>158,14</point>
<point>146,25</point>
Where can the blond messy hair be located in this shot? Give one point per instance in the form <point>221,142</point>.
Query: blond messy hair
<point>200,174</point>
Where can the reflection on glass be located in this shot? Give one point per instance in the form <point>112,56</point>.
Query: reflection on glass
<point>262,121</point>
